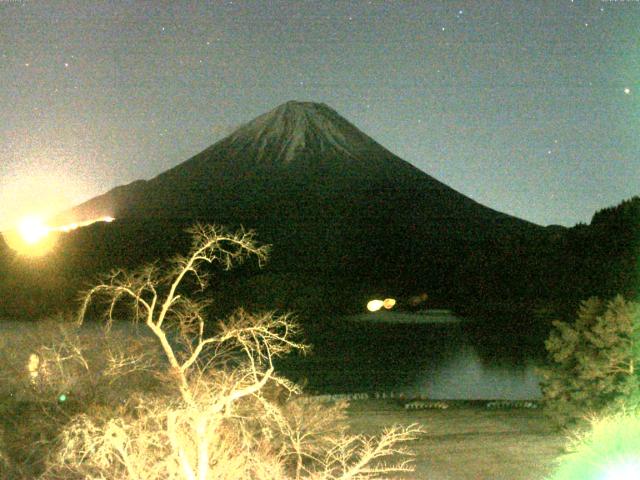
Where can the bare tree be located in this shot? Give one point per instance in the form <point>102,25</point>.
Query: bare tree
<point>229,419</point>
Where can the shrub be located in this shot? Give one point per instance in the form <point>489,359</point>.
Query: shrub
<point>594,361</point>
<point>55,369</point>
<point>609,449</point>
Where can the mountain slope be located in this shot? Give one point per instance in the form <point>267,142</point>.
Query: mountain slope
<point>299,148</point>
<point>324,193</point>
<point>345,216</point>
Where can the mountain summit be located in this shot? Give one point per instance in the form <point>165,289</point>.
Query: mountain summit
<point>324,194</point>
<point>344,215</point>
<point>302,150</point>
<point>298,130</point>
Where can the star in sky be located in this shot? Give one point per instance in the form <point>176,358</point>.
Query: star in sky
<point>509,77</point>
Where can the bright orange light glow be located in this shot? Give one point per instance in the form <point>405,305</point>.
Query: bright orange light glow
<point>34,238</point>
<point>389,303</point>
<point>374,305</point>
<point>33,229</point>
<point>74,225</point>
<point>31,238</point>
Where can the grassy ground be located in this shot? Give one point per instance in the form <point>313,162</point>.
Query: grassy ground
<point>469,442</point>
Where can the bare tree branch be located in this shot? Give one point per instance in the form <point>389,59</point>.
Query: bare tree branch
<point>229,420</point>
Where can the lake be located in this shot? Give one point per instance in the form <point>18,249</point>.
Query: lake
<point>447,358</point>
<point>434,355</point>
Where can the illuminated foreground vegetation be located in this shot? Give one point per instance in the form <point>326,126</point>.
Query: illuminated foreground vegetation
<point>594,379</point>
<point>608,450</point>
<point>178,402</point>
<point>593,361</point>
<point>214,408</point>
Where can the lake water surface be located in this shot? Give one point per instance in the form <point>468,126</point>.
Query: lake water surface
<point>441,360</point>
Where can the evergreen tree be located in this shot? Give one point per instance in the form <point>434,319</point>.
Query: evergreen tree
<point>594,361</point>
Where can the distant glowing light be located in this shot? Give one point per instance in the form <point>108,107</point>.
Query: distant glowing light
<point>418,299</point>
<point>34,238</point>
<point>33,229</point>
<point>627,91</point>
<point>375,305</point>
<point>389,303</point>
<point>62,397</point>
<point>75,225</point>
<point>69,227</point>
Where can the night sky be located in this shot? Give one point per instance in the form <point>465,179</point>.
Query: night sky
<point>529,107</point>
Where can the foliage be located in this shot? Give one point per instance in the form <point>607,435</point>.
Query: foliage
<point>594,361</point>
<point>609,449</point>
<point>54,369</point>
<point>225,414</point>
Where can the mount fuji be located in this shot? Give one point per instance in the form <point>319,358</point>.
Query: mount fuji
<point>331,201</point>
<point>298,154</point>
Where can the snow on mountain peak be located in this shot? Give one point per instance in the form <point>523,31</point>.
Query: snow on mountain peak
<point>296,127</point>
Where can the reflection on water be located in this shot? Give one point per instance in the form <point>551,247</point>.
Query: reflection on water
<point>464,376</point>
<point>441,361</point>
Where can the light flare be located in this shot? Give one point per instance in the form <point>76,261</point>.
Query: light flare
<point>626,470</point>
<point>33,229</point>
<point>75,225</point>
<point>34,237</point>
<point>374,305</point>
<point>389,303</point>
